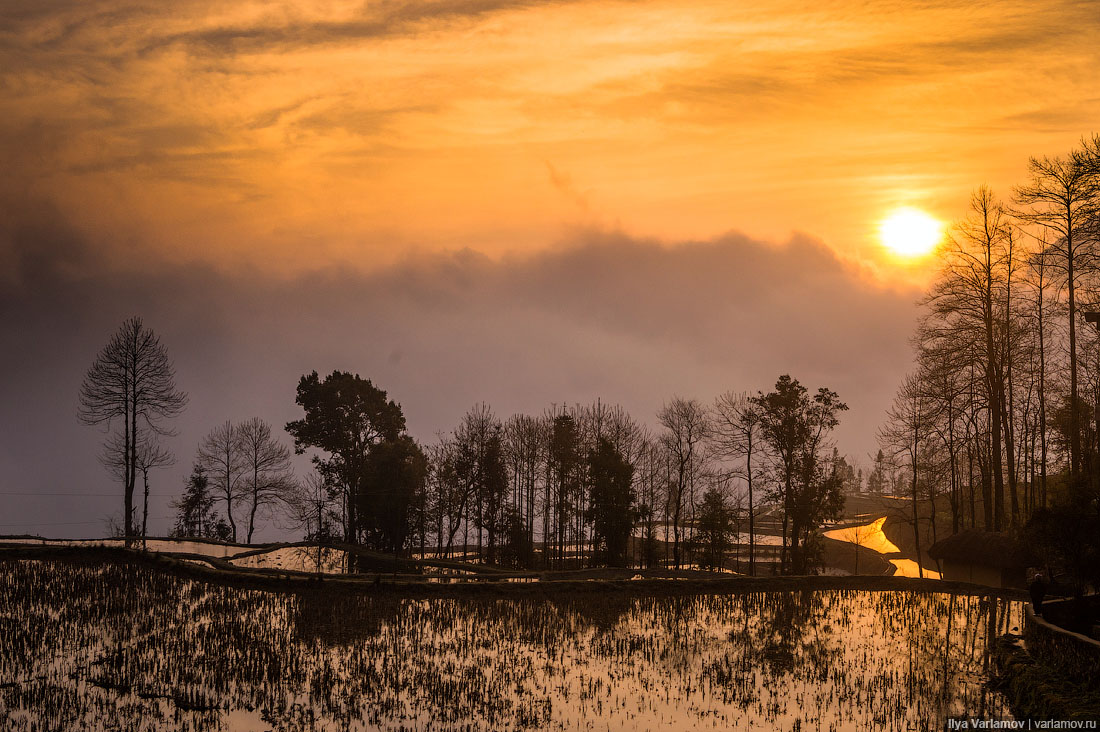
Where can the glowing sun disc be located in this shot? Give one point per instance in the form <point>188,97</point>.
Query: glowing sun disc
<point>910,232</point>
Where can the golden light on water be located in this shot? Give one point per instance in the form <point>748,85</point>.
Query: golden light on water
<point>910,232</point>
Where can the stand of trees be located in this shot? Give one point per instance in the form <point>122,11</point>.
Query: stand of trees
<point>569,487</point>
<point>589,484</point>
<point>999,418</point>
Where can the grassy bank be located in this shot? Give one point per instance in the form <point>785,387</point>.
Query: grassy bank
<point>1039,691</point>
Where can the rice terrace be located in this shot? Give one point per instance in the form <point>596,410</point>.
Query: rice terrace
<point>141,645</point>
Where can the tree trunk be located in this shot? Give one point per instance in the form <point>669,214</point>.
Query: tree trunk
<point>752,510</point>
<point>128,466</point>
<point>1005,377</point>
<point>131,473</point>
<point>784,556</point>
<point>916,516</point>
<point>995,424</point>
<point>1042,401</point>
<point>1074,407</point>
<point>252,518</point>
<point>970,482</point>
<point>953,456</point>
<point>145,509</point>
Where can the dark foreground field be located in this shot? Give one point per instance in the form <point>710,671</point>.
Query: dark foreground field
<point>99,644</point>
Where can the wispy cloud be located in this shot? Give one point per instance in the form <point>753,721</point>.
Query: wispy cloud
<point>248,129</point>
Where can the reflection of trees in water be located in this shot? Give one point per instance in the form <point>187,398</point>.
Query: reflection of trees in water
<point>784,620</point>
<point>342,618</point>
<point>84,645</point>
<point>945,645</point>
<point>601,611</point>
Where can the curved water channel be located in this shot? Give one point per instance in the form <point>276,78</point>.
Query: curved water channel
<point>872,537</point>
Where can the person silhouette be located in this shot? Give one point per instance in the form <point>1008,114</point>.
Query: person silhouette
<point>1038,590</point>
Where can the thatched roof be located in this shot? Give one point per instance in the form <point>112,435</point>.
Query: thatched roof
<point>982,547</point>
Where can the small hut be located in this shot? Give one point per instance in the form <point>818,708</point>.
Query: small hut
<point>982,557</point>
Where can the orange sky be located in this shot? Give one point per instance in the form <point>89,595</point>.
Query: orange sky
<point>537,156</point>
<point>284,137</point>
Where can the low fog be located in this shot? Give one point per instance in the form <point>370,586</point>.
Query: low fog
<point>602,316</point>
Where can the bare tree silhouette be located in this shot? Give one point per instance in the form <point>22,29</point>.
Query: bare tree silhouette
<point>267,476</point>
<point>1063,200</point>
<point>131,380</point>
<point>151,454</point>
<point>220,458</point>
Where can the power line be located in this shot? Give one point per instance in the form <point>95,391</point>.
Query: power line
<point>98,495</point>
<point>73,523</point>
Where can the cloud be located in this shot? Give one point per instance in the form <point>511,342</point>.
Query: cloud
<point>254,180</point>
<point>606,315</point>
<point>371,23</point>
<point>563,183</point>
<point>253,127</point>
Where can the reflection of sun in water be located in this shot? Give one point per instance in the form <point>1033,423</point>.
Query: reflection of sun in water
<point>910,232</point>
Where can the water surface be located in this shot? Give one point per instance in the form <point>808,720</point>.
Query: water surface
<point>82,646</point>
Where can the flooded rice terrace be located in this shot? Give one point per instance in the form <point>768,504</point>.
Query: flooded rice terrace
<point>128,648</point>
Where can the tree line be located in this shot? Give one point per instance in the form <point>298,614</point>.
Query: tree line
<point>998,418</point>
<point>570,487</point>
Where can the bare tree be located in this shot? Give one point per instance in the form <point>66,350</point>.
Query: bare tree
<point>151,454</point>
<point>131,380</point>
<point>652,479</point>
<point>939,362</point>
<point>479,464</point>
<point>969,305</point>
<point>312,509</point>
<point>736,421</point>
<point>452,487</point>
<point>1040,282</point>
<point>907,432</point>
<point>1062,200</point>
<point>525,443</point>
<point>220,457</point>
<point>687,425</point>
<point>267,474</point>
<point>564,454</point>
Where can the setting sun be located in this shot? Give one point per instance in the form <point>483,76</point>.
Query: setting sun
<point>910,232</point>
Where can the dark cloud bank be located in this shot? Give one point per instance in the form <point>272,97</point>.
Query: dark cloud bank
<point>628,321</point>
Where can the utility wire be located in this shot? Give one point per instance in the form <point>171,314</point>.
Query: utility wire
<point>104,495</point>
<point>74,523</point>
